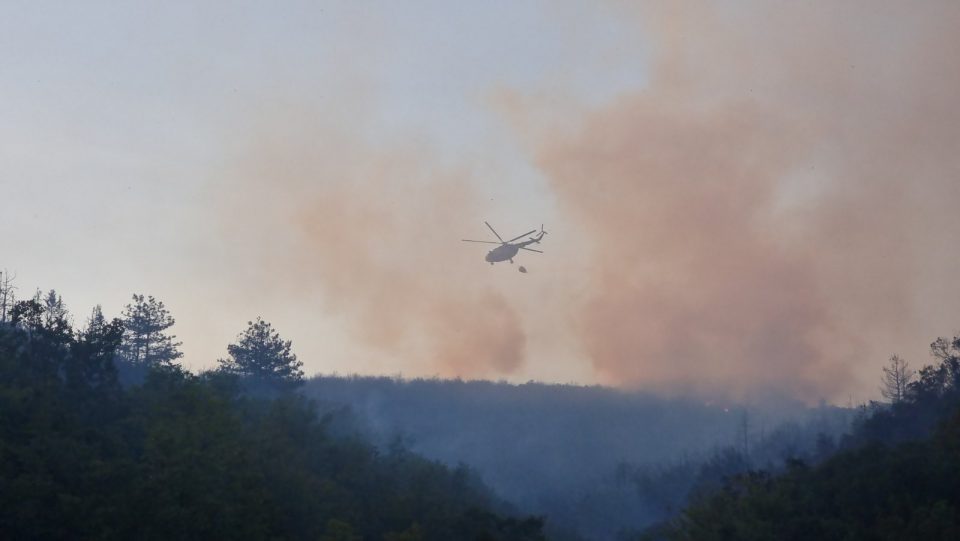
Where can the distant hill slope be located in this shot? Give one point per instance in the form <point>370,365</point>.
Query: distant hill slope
<point>183,456</point>
<point>897,477</point>
<point>556,449</point>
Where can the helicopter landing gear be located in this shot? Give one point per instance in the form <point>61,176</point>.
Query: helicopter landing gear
<point>511,262</point>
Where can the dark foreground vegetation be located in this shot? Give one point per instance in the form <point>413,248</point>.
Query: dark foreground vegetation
<point>897,476</point>
<point>103,435</point>
<point>182,456</point>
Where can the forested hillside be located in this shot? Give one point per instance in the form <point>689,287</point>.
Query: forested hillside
<point>595,461</point>
<point>184,456</point>
<point>104,435</point>
<point>897,477</point>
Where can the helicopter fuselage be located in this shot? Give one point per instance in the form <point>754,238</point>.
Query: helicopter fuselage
<point>506,251</point>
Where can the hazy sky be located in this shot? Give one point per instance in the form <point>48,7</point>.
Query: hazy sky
<point>740,196</point>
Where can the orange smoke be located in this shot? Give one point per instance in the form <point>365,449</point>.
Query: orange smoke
<point>372,235</point>
<point>775,212</point>
<point>764,215</point>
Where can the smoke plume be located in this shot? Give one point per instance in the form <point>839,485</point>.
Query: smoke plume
<point>370,232</point>
<point>773,210</point>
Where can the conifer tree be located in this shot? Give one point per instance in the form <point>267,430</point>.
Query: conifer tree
<point>260,353</point>
<point>54,311</point>
<point>43,313</point>
<point>96,322</point>
<point>145,340</point>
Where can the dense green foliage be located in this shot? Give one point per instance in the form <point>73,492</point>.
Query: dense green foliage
<point>893,481</point>
<point>192,457</point>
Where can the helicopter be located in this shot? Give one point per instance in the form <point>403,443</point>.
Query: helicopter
<point>507,249</point>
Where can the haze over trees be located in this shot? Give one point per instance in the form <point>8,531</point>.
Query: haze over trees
<point>184,456</point>
<point>85,453</point>
<point>896,477</point>
<point>594,461</point>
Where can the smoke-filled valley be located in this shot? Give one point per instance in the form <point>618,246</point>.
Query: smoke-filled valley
<point>595,461</point>
<point>741,225</point>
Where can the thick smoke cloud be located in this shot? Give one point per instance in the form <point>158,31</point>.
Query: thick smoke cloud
<point>364,231</point>
<point>774,210</point>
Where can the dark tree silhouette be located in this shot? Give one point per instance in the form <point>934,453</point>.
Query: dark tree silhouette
<point>27,316</point>
<point>96,322</point>
<point>7,297</point>
<point>261,354</point>
<point>181,456</point>
<point>53,308</point>
<point>896,376</point>
<point>41,315</point>
<point>145,340</point>
<point>895,477</point>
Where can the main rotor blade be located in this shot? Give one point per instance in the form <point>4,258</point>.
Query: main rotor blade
<point>494,231</point>
<point>531,250</point>
<point>483,241</point>
<point>523,235</point>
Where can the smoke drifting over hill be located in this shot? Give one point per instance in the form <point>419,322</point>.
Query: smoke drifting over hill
<point>776,207</point>
<point>775,211</point>
<point>368,231</point>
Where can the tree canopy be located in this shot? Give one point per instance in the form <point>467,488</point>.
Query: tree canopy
<point>146,340</point>
<point>896,478</point>
<point>260,354</point>
<point>184,456</point>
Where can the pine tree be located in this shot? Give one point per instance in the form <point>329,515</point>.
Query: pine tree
<point>93,349</point>
<point>43,313</point>
<point>260,353</point>
<point>54,311</point>
<point>96,322</point>
<point>145,340</point>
